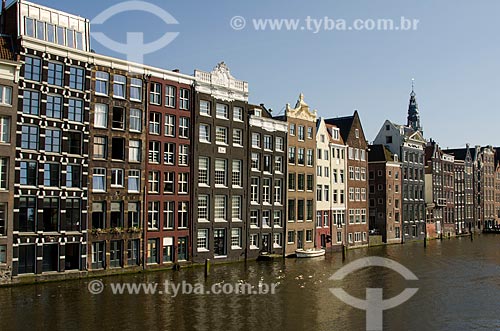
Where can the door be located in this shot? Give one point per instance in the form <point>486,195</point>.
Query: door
<point>220,242</point>
<point>266,243</point>
<point>182,249</point>
<point>300,239</point>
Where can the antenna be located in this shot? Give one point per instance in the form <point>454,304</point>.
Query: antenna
<point>412,84</point>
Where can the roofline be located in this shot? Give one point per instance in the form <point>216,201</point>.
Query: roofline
<point>92,57</point>
<point>47,8</point>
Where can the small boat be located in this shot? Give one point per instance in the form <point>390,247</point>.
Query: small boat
<point>301,253</point>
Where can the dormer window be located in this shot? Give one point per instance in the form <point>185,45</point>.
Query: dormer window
<point>258,112</point>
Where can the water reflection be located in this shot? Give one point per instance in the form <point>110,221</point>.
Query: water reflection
<point>459,283</point>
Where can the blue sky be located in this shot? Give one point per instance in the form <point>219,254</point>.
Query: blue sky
<point>454,56</point>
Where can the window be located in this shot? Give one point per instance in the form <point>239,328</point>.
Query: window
<point>300,159</point>
<point>98,255</point>
<point>267,163</point>
<point>183,216</point>
<point>70,38</point>
<point>116,215</point>
<point>53,140</point>
<point>76,78</point>
<point>50,215</point>
<point>3,225</point>
<point>29,27</point>
<point>101,82</point>
<point>204,133</point>
<point>168,153</point>
<point>205,108</point>
<point>254,218</point>
<point>237,173</point>
<point>219,242</point>
<point>153,215</point>
<point>291,155</point>
<point>101,115</point>
<point>309,132</point>
<point>183,183</point>
<point>220,208</point>
<point>202,240</point>
<point>278,191</point>
<point>154,152</point>
<point>255,161</point>
<point>27,214</point>
<point>301,183</point>
<point>115,256</point>
<point>134,151</point>
<point>277,219</point>
<point>268,142</point>
<point>135,89</point>
<point>100,147</point>
<point>309,236</point>
<point>301,132</point>
<point>116,177</point>
<point>291,181</point>
<point>291,237</point>
<point>184,127</point>
<point>154,182</point>
<point>31,102</point>
<point>236,207</point>
<point>310,159</point>
<point>118,120</point>
<point>292,129</point>
<point>221,135</point>
<point>4,170</point>
<point>168,215</point>
<point>237,138</point>
<point>99,180</point>
<point>152,251</point>
<point>28,174</point>
<point>119,83</point>
<point>319,192</point>
<point>4,129</point>
<point>291,210</point>
<point>155,94</point>
<point>237,113</point>
<point>74,142</point>
<point>278,164</point>
<point>184,99</point>
<point>266,190</point>
<point>236,238</point>
<point>51,175</point>
<point>75,110</point>
<point>221,172</point>
<point>135,120</point>
<point>170,96</point>
<point>32,68</point>
<point>279,144</point>
<point>134,181</point>
<point>203,208</point>
<point>256,140</point>
<point>118,149</point>
<point>310,181</point>
<point>254,190</point>
<point>356,133</point>
<point>222,111</point>
<point>154,123</point>
<point>170,125</point>
<point>74,175</point>
<point>204,171</point>
<point>133,252</point>
<point>168,182</point>
<point>5,95</point>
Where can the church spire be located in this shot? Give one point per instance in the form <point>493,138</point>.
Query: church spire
<point>413,113</point>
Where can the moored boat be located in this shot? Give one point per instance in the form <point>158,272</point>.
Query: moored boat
<point>303,253</point>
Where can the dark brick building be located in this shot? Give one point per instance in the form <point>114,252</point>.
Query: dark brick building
<point>168,169</point>
<point>268,167</point>
<point>385,198</point>
<point>220,161</point>
<point>352,133</point>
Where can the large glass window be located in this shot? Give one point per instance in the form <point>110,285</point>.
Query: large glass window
<point>31,102</point>
<point>32,68</point>
<point>75,110</point>
<point>76,78</point>
<point>55,74</point>
<point>54,106</point>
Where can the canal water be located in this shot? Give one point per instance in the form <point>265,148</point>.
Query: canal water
<point>459,289</point>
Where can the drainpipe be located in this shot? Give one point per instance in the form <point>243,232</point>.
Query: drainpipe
<point>146,79</point>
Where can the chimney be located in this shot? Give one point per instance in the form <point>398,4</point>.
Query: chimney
<point>176,70</point>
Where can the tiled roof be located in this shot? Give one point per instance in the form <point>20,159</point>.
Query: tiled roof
<point>343,123</point>
<point>6,48</point>
<point>379,153</point>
